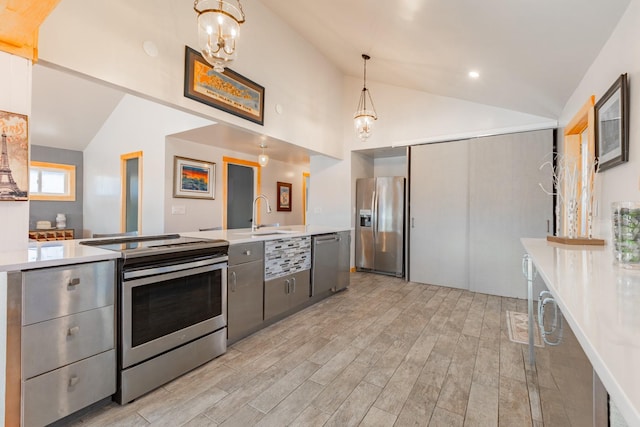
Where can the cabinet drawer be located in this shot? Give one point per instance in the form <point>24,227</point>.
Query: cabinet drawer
<point>245,252</point>
<point>57,394</point>
<point>66,340</point>
<point>54,292</point>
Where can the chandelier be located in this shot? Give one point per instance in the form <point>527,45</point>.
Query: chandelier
<point>364,117</point>
<point>218,30</point>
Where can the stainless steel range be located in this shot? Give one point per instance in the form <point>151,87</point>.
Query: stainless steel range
<point>172,299</point>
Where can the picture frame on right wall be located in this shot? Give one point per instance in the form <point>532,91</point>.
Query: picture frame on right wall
<point>284,197</point>
<point>612,125</point>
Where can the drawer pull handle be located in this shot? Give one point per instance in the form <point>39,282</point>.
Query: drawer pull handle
<point>74,330</point>
<point>73,381</point>
<point>247,253</point>
<point>74,282</point>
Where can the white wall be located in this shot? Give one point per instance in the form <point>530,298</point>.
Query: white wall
<point>104,40</point>
<point>618,56</point>
<point>15,87</point>
<point>408,117</point>
<point>209,213</point>
<point>390,166</point>
<point>330,193</point>
<point>15,90</point>
<point>135,125</point>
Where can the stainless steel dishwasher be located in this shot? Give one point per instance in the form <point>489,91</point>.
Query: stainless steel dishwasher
<point>331,266</point>
<point>324,254</point>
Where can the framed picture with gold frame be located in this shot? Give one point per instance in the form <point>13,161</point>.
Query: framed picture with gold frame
<point>284,196</point>
<point>193,179</point>
<point>227,91</point>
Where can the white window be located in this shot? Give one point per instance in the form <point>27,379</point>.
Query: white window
<point>52,181</point>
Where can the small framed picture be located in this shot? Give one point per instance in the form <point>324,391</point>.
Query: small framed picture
<point>284,196</point>
<point>612,125</point>
<point>193,179</point>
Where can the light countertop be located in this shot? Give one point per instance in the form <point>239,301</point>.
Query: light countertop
<point>601,302</point>
<point>65,252</point>
<point>52,254</point>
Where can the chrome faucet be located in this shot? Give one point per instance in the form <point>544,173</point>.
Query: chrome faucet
<point>254,221</point>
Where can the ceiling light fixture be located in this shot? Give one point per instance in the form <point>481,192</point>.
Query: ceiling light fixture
<point>218,30</point>
<point>474,74</point>
<point>364,118</point>
<point>263,159</point>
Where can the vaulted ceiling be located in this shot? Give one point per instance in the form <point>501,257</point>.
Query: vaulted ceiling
<point>530,55</point>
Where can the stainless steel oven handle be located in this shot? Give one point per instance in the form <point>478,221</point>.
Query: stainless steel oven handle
<point>175,267</point>
<point>141,281</point>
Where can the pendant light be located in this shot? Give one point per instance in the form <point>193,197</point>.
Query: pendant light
<point>364,117</point>
<point>218,30</point>
<point>263,159</point>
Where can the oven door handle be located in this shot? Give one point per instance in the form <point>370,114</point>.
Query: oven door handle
<point>128,284</point>
<point>133,274</point>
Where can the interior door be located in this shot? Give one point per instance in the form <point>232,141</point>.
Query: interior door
<point>131,182</point>
<point>506,203</point>
<point>240,180</point>
<point>439,224</point>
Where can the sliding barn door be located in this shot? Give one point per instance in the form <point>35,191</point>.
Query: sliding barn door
<point>506,203</point>
<point>439,214</point>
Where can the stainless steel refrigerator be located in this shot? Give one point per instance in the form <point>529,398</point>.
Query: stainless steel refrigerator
<point>380,225</point>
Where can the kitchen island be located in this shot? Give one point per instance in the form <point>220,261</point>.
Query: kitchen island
<point>601,303</point>
<point>71,255</point>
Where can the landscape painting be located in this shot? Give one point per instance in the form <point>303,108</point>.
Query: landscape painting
<point>193,179</point>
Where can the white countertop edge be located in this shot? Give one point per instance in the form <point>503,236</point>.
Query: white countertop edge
<point>52,254</point>
<point>621,399</point>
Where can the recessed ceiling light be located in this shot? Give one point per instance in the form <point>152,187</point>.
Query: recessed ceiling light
<point>474,74</point>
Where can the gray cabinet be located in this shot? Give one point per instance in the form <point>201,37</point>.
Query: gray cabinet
<point>245,290</point>
<point>286,293</point>
<point>68,339</point>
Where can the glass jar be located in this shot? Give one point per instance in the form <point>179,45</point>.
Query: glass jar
<point>625,222</point>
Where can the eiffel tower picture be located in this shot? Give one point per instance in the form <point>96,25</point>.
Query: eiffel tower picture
<point>8,187</point>
<point>15,125</point>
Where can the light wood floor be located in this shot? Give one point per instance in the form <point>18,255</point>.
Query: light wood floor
<point>383,353</point>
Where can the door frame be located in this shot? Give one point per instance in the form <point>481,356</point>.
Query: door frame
<point>583,121</point>
<point>305,175</point>
<point>226,161</point>
<point>123,189</point>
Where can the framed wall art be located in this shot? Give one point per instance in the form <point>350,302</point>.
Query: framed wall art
<point>14,160</point>
<point>612,125</point>
<point>227,91</point>
<point>284,196</point>
<point>193,179</point>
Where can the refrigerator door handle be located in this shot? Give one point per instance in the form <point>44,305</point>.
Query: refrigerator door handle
<point>376,207</point>
<point>374,214</point>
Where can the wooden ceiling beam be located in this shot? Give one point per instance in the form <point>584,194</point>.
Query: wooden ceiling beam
<point>20,21</point>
